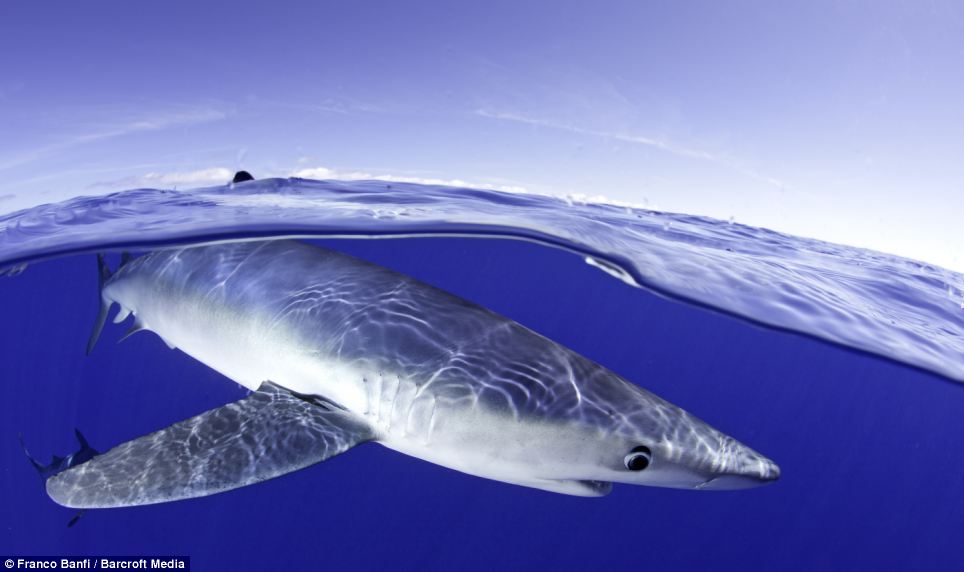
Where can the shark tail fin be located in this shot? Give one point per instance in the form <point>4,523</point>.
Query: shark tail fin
<point>103,275</point>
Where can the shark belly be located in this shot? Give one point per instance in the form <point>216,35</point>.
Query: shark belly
<point>403,415</point>
<point>402,410</point>
<point>237,343</point>
<point>424,410</point>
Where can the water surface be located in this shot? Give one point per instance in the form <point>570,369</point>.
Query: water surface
<point>886,305</point>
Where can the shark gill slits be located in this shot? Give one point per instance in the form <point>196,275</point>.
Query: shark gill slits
<point>639,458</point>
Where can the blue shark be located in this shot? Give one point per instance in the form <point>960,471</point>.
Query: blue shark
<point>338,352</point>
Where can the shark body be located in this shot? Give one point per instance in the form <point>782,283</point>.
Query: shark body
<point>340,351</point>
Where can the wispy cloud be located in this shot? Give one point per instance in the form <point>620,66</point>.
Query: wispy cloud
<point>663,145</point>
<point>342,105</point>
<point>145,122</point>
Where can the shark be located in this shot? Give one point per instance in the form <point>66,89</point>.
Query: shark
<point>337,352</point>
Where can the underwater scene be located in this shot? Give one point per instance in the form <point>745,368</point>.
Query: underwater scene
<point>469,379</point>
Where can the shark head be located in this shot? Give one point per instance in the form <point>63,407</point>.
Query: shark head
<point>679,453</point>
<point>644,441</point>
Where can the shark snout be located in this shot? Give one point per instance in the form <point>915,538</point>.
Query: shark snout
<point>740,467</point>
<point>766,473</point>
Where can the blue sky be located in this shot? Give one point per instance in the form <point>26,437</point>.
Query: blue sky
<point>837,120</point>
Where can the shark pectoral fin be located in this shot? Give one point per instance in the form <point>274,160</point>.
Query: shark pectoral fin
<point>265,435</point>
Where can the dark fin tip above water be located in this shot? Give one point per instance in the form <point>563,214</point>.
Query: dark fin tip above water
<point>242,176</point>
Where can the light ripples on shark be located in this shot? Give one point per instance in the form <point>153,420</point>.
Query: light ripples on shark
<point>433,375</point>
<point>885,305</point>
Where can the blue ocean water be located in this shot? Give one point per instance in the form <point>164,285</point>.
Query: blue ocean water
<point>867,446</point>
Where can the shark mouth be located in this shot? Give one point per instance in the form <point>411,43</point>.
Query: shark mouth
<point>583,488</point>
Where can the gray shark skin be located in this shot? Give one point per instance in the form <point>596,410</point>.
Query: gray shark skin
<point>414,368</point>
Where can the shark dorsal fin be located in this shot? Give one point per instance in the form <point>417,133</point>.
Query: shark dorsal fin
<point>242,176</point>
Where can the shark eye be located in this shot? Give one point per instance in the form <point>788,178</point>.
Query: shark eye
<point>639,458</point>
